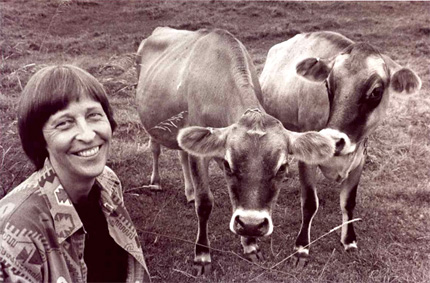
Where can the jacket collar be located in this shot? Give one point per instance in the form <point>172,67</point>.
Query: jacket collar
<point>65,217</point>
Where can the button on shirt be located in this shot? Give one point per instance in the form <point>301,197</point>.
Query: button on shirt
<point>42,238</point>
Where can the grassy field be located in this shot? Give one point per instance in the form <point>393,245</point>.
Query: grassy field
<point>394,195</point>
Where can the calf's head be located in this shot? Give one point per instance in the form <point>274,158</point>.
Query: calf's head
<point>255,152</point>
<point>359,81</point>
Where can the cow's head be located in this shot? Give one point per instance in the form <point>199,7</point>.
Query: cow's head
<point>359,81</point>
<point>255,153</point>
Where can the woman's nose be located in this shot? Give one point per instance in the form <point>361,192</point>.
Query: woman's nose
<point>85,132</point>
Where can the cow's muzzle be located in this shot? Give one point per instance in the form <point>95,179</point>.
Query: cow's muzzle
<point>343,143</point>
<point>251,223</point>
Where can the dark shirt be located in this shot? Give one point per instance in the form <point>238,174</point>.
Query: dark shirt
<point>105,259</point>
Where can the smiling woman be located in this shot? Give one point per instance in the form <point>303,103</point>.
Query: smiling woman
<point>77,140</point>
<point>65,223</point>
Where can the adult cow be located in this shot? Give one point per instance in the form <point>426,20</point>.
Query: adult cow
<point>345,94</point>
<point>201,89</point>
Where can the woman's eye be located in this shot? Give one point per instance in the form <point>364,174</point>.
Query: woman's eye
<point>95,115</point>
<point>63,124</point>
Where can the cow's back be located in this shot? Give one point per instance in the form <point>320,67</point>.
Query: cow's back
<point>207,73</point>
<point>221,81</point>
<point>162,61</point>
<point>299,104</point>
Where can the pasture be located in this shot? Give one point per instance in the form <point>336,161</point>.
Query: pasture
<point>394,194</point>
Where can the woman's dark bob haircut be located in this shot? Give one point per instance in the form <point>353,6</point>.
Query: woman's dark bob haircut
<point>48,91</point>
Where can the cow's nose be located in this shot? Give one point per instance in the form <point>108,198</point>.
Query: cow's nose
<point>251,226</point>
<point>342,141</point>
<point>247,226</point>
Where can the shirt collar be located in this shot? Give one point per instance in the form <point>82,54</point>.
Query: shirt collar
<point>110,190</point>
<point>65,217</point>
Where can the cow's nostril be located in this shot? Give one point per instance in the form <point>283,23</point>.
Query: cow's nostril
<point>239,222</point>
<point>340,144</point>
<point>263,224</point>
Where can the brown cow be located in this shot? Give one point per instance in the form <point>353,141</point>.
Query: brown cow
<point>345,95</point>
<point>201,89</point>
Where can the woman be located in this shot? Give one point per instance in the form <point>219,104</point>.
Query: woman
<point>67,222</point>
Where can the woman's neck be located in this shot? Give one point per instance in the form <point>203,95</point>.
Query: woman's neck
<point>77,189</point>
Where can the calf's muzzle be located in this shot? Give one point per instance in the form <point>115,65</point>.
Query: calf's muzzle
<point>251,223</point>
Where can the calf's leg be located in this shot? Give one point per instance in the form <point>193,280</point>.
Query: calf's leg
<point>203,205</point>
<point>189,189</point>
<point>155,176</point>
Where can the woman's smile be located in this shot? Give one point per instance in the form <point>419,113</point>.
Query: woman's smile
<point>89,152</point>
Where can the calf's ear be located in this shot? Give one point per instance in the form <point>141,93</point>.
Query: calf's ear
<point>314,69</point>
<point>201,141</point>
<point>310,147</point>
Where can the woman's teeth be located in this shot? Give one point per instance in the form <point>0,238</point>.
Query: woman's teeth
<point>89,152</point>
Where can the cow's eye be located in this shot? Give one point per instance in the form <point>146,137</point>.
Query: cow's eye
<point>376,94</point>
<point>282,170</point>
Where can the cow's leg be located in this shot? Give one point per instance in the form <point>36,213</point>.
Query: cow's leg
<point>347,205</point>
<point>203,204</point>
<point>189,189</point>
<point>309,205</point>
<point>251,250</point>
<point>155,176</point>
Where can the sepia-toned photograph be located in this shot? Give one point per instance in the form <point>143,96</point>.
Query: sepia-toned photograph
<point>214,141</point>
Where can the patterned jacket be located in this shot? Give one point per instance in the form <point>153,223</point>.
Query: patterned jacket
<point>42,237</point>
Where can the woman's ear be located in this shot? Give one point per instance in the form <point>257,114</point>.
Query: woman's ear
<point>201,141</point>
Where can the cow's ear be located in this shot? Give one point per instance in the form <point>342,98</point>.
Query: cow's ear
<point>315,69</point>
<point>201,141</point>
<point>310,147</point>
<point>402,79</point>
<point>405,80</point>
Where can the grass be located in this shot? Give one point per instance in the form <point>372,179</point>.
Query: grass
<point>394,194</point>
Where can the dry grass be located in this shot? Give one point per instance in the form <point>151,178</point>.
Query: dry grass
<point>394,195</point>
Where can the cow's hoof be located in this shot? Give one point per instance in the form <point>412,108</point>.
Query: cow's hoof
<point>351,247</point>
<point>300,262</point>
<point>202,268</point>
<point>190,203</point>
<point>190,199</point>
<point>301,258</point>
<point>254,256</point>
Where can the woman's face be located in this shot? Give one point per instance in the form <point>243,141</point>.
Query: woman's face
<point>78,140</point>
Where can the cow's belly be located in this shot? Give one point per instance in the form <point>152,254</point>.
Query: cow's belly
<point>166,131</point>
<point>163,111</point>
